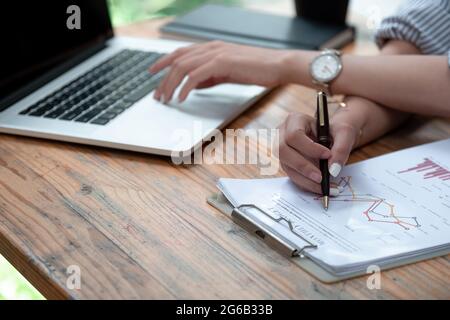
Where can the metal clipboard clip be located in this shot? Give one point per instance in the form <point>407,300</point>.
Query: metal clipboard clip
<point>273,239</point>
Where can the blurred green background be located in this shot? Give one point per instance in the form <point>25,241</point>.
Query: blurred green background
<point>12,284</point>
<point>127,11</point>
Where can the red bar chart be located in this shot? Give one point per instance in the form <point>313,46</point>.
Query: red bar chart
<point>430,170</point>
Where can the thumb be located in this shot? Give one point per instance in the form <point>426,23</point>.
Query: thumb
<point>343,140</point>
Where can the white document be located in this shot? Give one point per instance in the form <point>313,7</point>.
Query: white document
<point>393,207</point>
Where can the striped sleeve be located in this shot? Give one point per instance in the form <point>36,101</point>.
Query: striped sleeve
<point>425,23</point>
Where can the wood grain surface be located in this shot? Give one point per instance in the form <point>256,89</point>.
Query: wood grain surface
<point>138,226</point>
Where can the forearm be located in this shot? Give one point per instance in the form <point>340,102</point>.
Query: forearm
<point>413,83</point>
<point>417,84</point>
<point>362,112</point>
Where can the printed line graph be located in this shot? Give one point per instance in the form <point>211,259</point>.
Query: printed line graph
<point>378,210</point>
<point>430,170</point>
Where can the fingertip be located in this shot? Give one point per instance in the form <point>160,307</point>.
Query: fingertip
<point>335,169</point>
<point>169,97</point>
<point>155,68</point>
<point>183,94</point>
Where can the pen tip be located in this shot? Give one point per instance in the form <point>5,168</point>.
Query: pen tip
<point>325,201</point>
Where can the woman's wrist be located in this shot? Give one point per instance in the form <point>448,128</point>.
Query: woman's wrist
<point>361,113</point>
<point>294,66</point>
<point>353,117</point>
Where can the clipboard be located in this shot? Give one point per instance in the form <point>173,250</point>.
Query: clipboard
<point>291,251</point>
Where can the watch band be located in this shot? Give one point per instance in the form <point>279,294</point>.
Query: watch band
<point>322,86</point>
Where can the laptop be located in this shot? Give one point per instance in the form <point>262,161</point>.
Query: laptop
<point>64,76</point>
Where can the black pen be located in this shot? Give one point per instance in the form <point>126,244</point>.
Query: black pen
<point>323,138</point>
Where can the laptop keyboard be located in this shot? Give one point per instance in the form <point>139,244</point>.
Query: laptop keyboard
<point>104,92</point>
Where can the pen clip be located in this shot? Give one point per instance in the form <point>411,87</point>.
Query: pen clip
<point>321,113</point>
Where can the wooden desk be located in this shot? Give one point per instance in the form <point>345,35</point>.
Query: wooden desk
<point>139,226</point>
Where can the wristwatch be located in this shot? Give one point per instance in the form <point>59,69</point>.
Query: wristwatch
<point>325,68</point>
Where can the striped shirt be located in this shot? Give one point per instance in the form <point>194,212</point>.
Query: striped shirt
<point>424,23</point>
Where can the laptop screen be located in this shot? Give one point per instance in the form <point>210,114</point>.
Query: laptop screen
<point>38,36</point>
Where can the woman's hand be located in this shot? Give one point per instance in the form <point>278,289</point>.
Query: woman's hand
<point>300,154</point>
<point>216,62</point>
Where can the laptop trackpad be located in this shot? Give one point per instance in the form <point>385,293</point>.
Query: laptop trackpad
<point>150,123</point>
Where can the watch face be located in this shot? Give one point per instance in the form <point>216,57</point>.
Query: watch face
<point>325,68</point>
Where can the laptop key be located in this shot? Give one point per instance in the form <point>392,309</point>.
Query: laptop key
<point>123,104</point>
<point>139,93</point>
<point>82,107</point>
<point>89,115</point>
<point>117,109</point>
<point>126,104</point>
<point>55,114</point>
<point>100,121</point>
<point>109,115</point>
<point>39,112</point>
<point>63,108</point>
<point>70,115</point>
<point>103,105</point>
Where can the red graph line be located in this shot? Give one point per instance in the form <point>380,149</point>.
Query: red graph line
<point>379,210</point>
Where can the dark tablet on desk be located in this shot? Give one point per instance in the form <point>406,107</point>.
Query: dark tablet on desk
<point>227,23</point>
